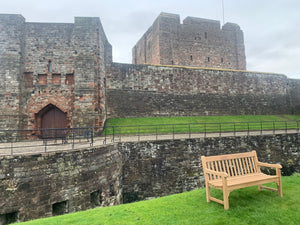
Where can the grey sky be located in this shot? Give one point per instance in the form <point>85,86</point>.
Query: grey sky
<point>270,26</point>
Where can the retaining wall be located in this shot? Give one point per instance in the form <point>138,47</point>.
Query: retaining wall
<point>41,185</point>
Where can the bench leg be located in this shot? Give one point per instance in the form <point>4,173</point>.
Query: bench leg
<point>226,199</point>
<point>260,187</point>
<point>279,188</point>
<point>207,192</point>
<point>279,185</point>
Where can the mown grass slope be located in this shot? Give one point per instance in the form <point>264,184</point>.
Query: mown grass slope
<point>247,206</point>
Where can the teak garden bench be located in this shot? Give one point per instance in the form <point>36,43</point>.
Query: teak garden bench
<point>235,171</point>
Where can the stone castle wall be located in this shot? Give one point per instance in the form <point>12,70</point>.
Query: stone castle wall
<point>195,42</point>
<point>34,185</point>
<point>69,66</point>
<point>294,95</point>
<point>53,64</point>
<point>145,90</point>
<point>42,185</point>
<point>11,63</point>
<point>159,168</point>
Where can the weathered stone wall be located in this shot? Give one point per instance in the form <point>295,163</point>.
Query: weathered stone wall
<point>196,42</point>
<point>69,66</point>
<point>294,95</point>
<point>125,103</point>
<point>11,61</point>
<point>93,52</point>
<point>30,185</point>
<point>56,64</point>
<point>159,168</point>
<point>33,186</point>
<point>48,61</point>
<point>144,90</point>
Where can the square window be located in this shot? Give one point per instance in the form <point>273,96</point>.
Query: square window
<point>42,79</point>
<point>56,79</point>
<point>28,79</point>
<point>69,79</point>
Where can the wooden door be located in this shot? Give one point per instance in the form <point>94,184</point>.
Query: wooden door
<point>53,119</point>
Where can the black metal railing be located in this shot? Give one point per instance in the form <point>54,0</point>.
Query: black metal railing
<point>190,130</point>
<point>27,141</point>
<point>45,140</point>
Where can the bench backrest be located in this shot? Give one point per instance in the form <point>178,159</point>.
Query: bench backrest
<point>233,164</point>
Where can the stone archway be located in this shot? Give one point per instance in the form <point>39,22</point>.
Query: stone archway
<point>52,121</point>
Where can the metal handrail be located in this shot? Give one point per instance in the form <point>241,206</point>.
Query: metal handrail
<point>48,139</point>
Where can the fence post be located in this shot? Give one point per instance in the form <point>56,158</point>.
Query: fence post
<point>273,127</point>
<point>285,127</point>
<point>138,132</point>
<point>173,132</point>
<point>11,146</point>
<point>234,132</point>
<point>189,130</point>
<point>156,133</point>
<point>92,136</point>
<point>45,142</point>
<point>260,127</point>
<point>220,126</point>
<point>205,130</point>
<point>113,138</point>
<point>104,142</point>
<point>297,126</point>
<point>73,139</point>
<point>248,128</point>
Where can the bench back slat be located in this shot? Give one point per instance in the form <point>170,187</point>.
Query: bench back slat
<point>238,166</point>
<point>232,164</point>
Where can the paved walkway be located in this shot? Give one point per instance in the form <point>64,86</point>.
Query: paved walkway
<point>34,147</point>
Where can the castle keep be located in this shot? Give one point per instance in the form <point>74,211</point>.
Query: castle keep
<point>196,42</point>
<point>62,75</point>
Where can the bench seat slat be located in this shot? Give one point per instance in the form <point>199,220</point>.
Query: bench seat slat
<point>246,179</point>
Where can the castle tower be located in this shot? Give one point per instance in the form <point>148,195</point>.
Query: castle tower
<point>195,42</point>
<point>55,72</point>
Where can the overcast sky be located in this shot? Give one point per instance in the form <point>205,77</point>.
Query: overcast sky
<point>271,27</point>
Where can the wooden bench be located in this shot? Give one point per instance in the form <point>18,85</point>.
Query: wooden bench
<point>235,171</point>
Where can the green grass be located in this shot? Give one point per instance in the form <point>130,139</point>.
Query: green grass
<point>247,206</point>
<point>160,125</point>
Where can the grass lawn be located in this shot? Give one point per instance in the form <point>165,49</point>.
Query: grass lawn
<point>153,125</point>
<point>247,206</point>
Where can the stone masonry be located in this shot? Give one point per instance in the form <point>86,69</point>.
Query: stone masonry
<point>147,90</point>
<point>46,65</point>
<point>67,68</point>
<point>42,185</point>
<point>195,42</point>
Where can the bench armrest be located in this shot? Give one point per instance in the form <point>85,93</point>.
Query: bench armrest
<point>222,174</point>
<point>269,165</point>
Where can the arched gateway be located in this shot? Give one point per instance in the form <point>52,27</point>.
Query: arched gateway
<point>53,120</point>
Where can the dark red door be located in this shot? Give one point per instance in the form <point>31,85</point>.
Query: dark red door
<point>55,120</point>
